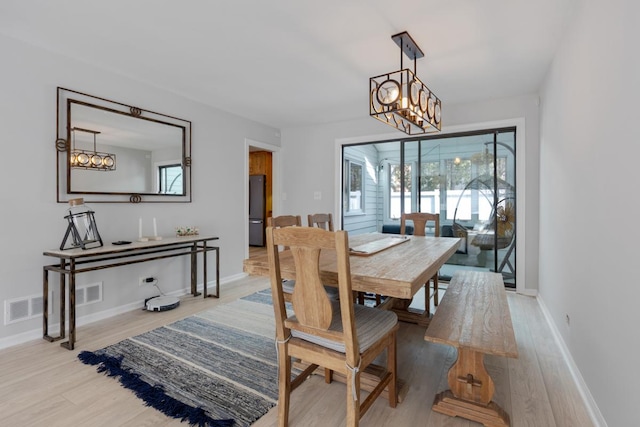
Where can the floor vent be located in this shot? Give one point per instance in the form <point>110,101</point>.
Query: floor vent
<point>25,308</point>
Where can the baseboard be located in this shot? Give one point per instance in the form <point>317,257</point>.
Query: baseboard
<point>34,334</point>
<point>583,389</point>
<point>528,292</point>
<point>80,321</point>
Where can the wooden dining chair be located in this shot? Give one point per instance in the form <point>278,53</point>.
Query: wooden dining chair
<point>420,221</point>
<point>286,221</point>
<point>321,220</point>
<point>337,335</point>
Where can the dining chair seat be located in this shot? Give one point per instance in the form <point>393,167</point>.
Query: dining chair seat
<point>372,324</point>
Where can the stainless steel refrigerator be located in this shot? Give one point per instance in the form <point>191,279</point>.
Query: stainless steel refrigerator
<point>257,209</point>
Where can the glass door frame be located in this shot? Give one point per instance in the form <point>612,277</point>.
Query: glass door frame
<point>417,176</point>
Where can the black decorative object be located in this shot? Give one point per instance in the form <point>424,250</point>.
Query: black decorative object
<point>400,99</point>
<point>82,227</point>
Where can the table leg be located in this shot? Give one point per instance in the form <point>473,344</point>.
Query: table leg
<point>45,305</point>
<point>45,302</point>
<point>471,390</point>
<point>217,272</point>
<point>411,315</point>
<point>63,301</point>
<point>204,269</point>
<point>69,345</point>
<point>194,270</point>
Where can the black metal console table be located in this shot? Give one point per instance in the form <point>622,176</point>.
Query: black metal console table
<point>74,261</point>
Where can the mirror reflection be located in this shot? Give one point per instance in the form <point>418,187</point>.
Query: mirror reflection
<point>107,151</point>
<point>144,156</point>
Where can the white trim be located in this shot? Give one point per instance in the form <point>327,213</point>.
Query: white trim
<point>519,124</point>
<point>583,389</point>
<point>529,292</point>
<point>276,186</point>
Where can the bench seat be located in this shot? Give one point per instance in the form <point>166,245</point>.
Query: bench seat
<point>474,317</point>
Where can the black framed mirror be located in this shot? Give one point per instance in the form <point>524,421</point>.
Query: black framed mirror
<point>112,152</point>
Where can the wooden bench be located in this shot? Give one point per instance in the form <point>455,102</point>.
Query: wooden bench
<point>474,317</point>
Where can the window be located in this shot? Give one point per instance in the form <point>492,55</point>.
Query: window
<point>471,202</point>
<point>430,187</point>
<point>395,189</point>
<point>353,192</point>
<point>170,179</point>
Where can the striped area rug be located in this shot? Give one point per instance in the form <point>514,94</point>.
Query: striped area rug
<point>215,368</point>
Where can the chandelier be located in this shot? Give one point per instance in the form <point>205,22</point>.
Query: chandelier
<point>400,99</point>
<point>88,159</point>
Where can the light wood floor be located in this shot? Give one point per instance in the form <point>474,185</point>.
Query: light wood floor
<point>42,384</point>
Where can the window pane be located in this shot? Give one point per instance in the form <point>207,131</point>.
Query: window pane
<point>458,175</point>
<point>353,187</point>
<point>170,179</point>
<point>395,189</point>
<point>430,187</point>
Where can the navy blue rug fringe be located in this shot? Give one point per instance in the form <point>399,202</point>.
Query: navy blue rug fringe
<point>153,396</point>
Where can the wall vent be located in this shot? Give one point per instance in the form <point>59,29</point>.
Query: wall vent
<point>25,308</point>
<point>88,294</point>
<point>37,305</point>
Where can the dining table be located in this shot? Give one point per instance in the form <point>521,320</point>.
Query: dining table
<point>395,266</point>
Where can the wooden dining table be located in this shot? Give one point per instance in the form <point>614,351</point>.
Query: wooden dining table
<point>398,270</point>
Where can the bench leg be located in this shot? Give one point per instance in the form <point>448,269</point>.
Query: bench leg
<point>471,391</point>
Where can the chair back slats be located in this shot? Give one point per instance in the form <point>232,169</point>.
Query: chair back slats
<point>284,221</point>
<point>311,304</point>
<point>420,220</point>
<point>310,301</point>
<point>321,220</point>
<point>346,297</point>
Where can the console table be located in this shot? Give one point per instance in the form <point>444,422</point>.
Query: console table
<point>74,261</point>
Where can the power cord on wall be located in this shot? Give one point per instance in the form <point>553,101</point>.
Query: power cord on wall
<point>161,302</point>
<point>154,282</point>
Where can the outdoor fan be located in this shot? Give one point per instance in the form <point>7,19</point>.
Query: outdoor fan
<point>506,218</point>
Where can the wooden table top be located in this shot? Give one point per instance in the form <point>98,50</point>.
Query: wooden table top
<point>110,248</point>
<point>398,271</point>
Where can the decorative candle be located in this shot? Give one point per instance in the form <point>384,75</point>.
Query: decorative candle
<point>155,227</point>
<point>140,228</point>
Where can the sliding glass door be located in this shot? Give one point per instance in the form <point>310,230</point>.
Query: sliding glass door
<point>469,179</point>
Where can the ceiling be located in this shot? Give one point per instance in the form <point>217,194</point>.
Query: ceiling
<point>289,63</point>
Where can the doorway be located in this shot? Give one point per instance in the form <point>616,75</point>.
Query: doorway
<point>261,160</point>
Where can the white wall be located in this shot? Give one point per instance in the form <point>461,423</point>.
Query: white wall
<point>588,251</point>
<point>311,161</point>
<point>33,221</point>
